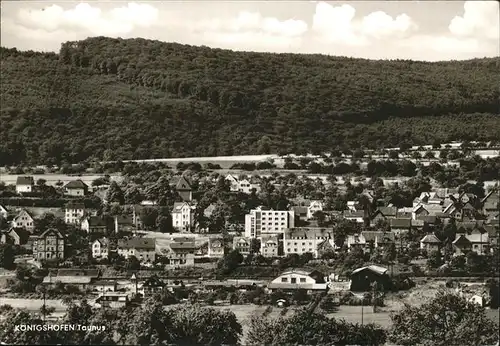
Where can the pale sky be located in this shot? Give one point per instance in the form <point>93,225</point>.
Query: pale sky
<point>418,30</point>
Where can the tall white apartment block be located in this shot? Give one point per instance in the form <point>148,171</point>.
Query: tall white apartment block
<point>267,221</point>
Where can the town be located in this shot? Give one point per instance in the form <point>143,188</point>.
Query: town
<point>233,236</point>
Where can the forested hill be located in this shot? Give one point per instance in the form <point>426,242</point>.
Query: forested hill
<point>105,98</point>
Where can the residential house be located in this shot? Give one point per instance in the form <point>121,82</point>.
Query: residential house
<point>477,242</point>
<point>215,247</point>
<point>24,220</point>
<point>303,240</point>
<point>183,216</point>
<point>385,213</point>
<point>49,245</point>
<point>491,203</point>
<point>124,223</point>
<point>245,186</point>
<point>76,188</point>
<point>182,252</point>
<point>80,278</point>
<point>400,225</point>
<point>100,248</point>
<point>104,286</point>
<point>300,213</point>
<point>25,184</point>
<point>267,221</point>
<point>357,216</point>
<point>14,236</point>
<point>270,246</point>
<point>113,300</point>
<point>363,278</point>
<point>294,279</point>
<point>233,182</point>
<point>209,210</point>
<point>430,243</point>
<point>184,189</point>
<point>242,245</point>
<point>4,213</point>
<point>368,239</point>
<point>144,249</point>
<point>74,213</point>
<point>94,224</point>
<point>152,285</point>
<point>493,233</point>
<point>313,207</point>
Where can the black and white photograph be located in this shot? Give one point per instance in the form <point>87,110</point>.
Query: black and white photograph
<point>249,173</point>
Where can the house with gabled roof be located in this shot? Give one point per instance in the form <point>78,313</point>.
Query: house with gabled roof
<point>183,216</point>
<point>430,243</point>
<point>215,247</point>
<point>301,240</point>
<point>367,239</point>
<point>14,236</point>
<point>242,245</point>
<point>51,244</point>
<point>25,184</point>
<point>24,220</point>
<point>100,248</point>
<point>144,249</point>
<point>94,224</point>
<point>400,225</point>
<point>299,278</point>
<point>74,213</point>
<point>476,241</point>
<point>182,252</point>
<point>491,203</point>
<point>4,212</point>
<point>184,189</point>
<point>76,188</point>
<point>270,245</point>
<point>313,207</point>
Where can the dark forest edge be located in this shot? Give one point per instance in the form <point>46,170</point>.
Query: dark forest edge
<point>113,99</point>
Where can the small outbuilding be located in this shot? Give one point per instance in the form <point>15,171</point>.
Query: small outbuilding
<point>363,278</point>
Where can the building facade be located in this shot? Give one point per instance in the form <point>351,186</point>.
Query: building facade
<point>267,221</point>
<point>49,245</point>
<point>74,213</point>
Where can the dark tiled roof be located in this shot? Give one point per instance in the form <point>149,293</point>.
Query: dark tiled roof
<point>308,233</point>
<point>388,211</point>
<point>75,205</point>
<point>78,272</point>
<point>25,180</point>
<point>177,245</point>
<point>183,184</point>
<point>400,223</point>
<point>76,184</point>
<point>380,236</point>
<point>137,243</point>
<point>51,231</point>
<point>95,221</point>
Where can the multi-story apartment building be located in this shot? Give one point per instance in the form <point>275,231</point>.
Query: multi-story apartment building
<point>303,240</point>
<point>49,245</point>
<point>74,213</point>
<point>267,221</point>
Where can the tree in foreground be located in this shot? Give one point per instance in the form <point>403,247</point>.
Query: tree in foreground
<point>151,324</point>
<point>448,319</point>
<point>304,328</point>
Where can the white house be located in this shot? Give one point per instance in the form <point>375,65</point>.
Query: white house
<point>268,221</point>
<point>233,182</point>
<point>215,247</point>
<point>100,248</point>
<point>241,185</point>
<point>313,207</point>
<point>24,220</point>
<point>24,184</point>
<point>270,245</point>
<point>76,188</point>
<point>311,280</point>
<point>303,240</point>
<point>74,213</point>
<point>183,216</point>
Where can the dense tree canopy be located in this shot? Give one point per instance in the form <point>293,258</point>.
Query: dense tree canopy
<point>105,98</point>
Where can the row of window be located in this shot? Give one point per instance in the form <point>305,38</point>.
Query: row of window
<point>303,250</point>
<point>293,280</point>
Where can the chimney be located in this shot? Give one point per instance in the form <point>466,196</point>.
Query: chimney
<point>116,224</point>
